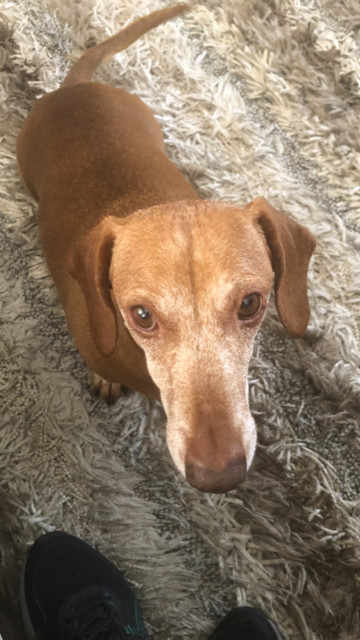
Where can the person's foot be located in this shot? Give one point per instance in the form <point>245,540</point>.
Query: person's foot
<point>246,623</point>
<point>70,591</point>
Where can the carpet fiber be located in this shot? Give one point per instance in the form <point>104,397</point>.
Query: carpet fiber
<point>255,97</point>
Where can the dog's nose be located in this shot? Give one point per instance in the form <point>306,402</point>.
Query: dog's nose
<point>221,481</point>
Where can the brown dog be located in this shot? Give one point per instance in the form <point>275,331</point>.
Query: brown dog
<point>163,292</point>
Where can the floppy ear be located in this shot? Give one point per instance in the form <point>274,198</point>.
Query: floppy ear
<point>89,263</point>
<point>291,246</point>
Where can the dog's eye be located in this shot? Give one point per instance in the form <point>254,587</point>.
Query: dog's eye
<point>143,318</point>
<point>249,306</point>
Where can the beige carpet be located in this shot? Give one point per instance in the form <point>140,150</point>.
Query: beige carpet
<point>255,97</point>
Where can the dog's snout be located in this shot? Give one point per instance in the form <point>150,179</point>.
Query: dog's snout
<point>210,481</point>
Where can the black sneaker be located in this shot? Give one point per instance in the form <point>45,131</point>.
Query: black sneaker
<point>70,591</point>
<point>246,623</point>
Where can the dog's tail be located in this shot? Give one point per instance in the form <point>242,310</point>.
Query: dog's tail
<point>84,68</point>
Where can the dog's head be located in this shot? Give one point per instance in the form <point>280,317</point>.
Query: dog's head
<point>191,281</point>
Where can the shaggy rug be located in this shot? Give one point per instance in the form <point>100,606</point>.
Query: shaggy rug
<point>255,97</point>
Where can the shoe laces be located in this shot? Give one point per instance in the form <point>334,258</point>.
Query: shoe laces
<point>93,614</point>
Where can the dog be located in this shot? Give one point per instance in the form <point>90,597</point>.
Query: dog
<point>163,292</point>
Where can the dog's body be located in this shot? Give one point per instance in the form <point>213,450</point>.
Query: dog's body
<point>163,292</point>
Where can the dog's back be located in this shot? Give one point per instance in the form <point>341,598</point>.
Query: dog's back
<point>88,145</point>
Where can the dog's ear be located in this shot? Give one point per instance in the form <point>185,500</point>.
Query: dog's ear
<point>89,263</point>
<point>291,246</point>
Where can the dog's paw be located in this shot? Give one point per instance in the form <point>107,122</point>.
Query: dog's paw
<point>108,391</point>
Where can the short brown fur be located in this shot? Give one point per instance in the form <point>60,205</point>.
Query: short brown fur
<point>121,227</point>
